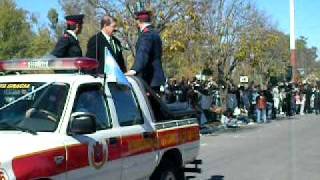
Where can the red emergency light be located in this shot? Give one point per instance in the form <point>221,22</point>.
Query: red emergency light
<point>81,63</point>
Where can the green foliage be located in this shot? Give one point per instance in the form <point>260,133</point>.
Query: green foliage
<point>227,37</point>
<point>53,17</point>
<point>306,56</point>
<point>41,44</point>
<point>16,36</point>
<point>14,30</point>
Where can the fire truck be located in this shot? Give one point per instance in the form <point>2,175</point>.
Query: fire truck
<point>60,120</point>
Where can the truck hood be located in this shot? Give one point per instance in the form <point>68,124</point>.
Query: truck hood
<point>15,143</point>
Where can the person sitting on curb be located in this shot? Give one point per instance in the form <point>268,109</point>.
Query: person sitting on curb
<point>228,120</point>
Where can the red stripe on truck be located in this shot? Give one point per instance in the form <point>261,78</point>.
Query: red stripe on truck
<point>114,150</point>
<point>174,137</point>
<point>39,164</point>
<point>42,163</point>
<point>77,156</point>
<point>136,144</point>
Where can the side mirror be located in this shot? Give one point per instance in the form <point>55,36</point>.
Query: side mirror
<point>82,123</point>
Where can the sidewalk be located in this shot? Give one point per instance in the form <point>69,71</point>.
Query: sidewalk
<point>217,128</point>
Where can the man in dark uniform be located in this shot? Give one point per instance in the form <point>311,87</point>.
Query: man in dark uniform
<point>97,44</point>
<point>68,45</point>
<point>147,63</point>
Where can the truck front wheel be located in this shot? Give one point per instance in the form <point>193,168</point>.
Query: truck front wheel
<point>167,171</point>
<point>168,175</point>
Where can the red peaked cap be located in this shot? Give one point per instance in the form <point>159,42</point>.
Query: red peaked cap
<point>74,19</point>
<point>143,15</point>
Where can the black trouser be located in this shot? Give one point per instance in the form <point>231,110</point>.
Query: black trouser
<point>156,89</point>
<point>252,112</point>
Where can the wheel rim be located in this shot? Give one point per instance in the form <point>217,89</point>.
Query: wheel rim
<point>169,176</point>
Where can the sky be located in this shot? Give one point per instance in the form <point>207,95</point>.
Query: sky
<point>40,8</point>
<point>307,14</point>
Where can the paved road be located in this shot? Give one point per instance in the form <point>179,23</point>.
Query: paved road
<point>287,149</point>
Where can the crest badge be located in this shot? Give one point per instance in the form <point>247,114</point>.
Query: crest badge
<point>98,153</point>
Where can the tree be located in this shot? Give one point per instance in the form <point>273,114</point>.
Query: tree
<point>229,37</point>
<point>53,17</point>
<point>306,57</point>
<point>182,40</point>
<point>14,32</point>
<point>17,39</point>
<point>55,25</point>
<point>41,44</point>
<point>226,24</point>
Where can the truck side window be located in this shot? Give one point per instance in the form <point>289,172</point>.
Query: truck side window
<point>90,99</point>
<point>127,107</point>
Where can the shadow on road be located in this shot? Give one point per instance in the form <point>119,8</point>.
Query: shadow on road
<point>215,177</point>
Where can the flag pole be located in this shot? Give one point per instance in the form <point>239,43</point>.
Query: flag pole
<point>293,57</point>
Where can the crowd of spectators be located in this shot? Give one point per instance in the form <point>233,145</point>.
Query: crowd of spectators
<point>243,104</point>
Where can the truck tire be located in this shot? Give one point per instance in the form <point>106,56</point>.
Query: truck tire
<point>168,175</point>
<point>167,171</point>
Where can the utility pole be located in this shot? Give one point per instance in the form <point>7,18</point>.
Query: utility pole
<point>293,57</point>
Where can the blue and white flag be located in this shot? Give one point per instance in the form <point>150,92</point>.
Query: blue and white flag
<point>112,70</point>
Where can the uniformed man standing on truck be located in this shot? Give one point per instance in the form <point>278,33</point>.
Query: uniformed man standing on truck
<point>68,45</point>
<point>147,63</point>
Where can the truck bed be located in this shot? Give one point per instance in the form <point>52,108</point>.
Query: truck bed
<point>162,111</point>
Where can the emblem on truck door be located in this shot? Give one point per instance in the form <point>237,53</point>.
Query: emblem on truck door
<point>98,152</point>
<point>2,175</point>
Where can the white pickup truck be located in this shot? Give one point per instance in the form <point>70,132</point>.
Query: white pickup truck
<point>74,125</point>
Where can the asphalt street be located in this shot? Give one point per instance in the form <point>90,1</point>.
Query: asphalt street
<point>286,149</point>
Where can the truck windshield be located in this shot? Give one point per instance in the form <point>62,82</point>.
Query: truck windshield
<point>32,106</point>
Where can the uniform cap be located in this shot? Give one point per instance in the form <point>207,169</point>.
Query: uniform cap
<point>143,15</point>
<point>74,19</point>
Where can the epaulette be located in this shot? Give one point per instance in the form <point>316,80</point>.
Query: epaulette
<point>145,30</point>
<point>65,36</point>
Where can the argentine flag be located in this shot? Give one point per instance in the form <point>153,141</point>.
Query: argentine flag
<point>112,70</point>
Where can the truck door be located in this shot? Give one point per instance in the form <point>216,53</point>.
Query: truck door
<point>97,155</point>
<point>137,137</point>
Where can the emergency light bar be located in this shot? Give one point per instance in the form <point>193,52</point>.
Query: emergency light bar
<point>81,63</point>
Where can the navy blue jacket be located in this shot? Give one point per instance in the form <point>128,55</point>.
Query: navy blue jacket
<point>67,46</point>
<point>147,62</point>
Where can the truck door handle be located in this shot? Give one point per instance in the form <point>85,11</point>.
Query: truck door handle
<point>148,134</point>
<point>113,140</point>
<point>59,160</point>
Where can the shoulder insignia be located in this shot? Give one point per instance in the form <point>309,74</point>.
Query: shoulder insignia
<point>65,36</point>
<point>146,30</point>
